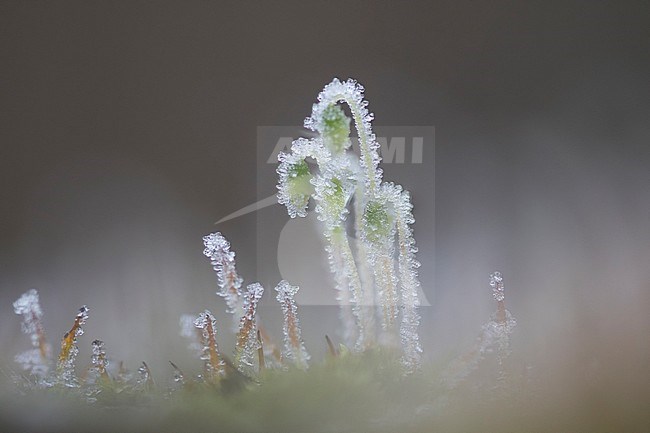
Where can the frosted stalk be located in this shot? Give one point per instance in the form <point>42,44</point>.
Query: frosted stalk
<point>338,268</point>
<point>213,365</point>
<point>378,234</point>
<point>367,301</point>
<point>247,344</point>
<point>333,189</point>
<point>409,281</point>
<point>217,249</point>
<point>294,348</point>
<point>69,350</point>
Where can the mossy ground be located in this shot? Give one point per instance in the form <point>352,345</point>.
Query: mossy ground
<point>352,393</point>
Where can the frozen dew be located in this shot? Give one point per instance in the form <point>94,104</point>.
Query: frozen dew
<point>247,343</point>
<point>409,281</point>
<point>143,371</point>
<point>145,379</point>
<point>81,318</point>
<point>217,249</point>
<point>502,324</point>
<point>98,358</point>
<point>496,282</point>
<point>69,350</point>
<point>35,361</point>
<point>213,365</point>
<point>97,376</point>
<point>179,376</point>
<point>294,348</point>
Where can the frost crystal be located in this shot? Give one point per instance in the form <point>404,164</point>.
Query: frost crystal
<point>409,281</point>
<point>294,348</point>
<point>213,365</point>
<point>179,377</point>
<point>247,343</point>
<point>496,282</point>
<point>66,364</point>
<point>145,379</point>
<point>98,359</point>
<point>501,326</point>
<point>348,286</point>
<point>35,360</point>
<point>217,248</point>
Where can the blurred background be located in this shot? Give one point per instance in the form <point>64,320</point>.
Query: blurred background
<point>128,128</point>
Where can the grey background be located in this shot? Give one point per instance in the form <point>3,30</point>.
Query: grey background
<point>128,128</point>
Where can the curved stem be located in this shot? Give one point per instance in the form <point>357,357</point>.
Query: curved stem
<point>351,94</point>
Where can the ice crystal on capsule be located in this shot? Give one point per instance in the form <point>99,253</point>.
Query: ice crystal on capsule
<point>294,186</point>
<point>294,348</point>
